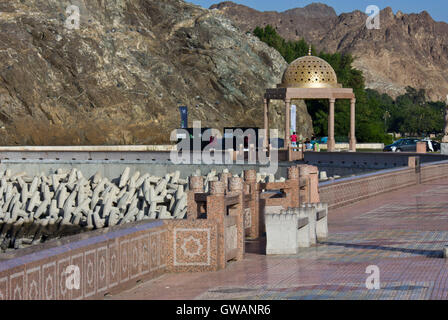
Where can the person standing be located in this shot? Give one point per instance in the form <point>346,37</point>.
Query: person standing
<point>430,146</point>
<point>308,144</point>
<point>293,139</point>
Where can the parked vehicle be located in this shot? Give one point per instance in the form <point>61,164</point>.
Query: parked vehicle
<point>402,145</point>
<point>435,145</point>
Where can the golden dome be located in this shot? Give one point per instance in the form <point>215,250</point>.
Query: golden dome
<point>309,72</point>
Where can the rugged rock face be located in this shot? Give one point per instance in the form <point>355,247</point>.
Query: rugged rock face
<point>121,76</point>
<point>291,24</point>
<point>407,50</point>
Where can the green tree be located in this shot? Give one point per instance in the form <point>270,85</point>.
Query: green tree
<point>376,114</point>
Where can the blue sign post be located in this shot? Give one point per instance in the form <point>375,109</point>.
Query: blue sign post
<point>183,117</point>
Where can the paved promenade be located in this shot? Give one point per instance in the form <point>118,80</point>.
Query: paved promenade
<point>403,233</point>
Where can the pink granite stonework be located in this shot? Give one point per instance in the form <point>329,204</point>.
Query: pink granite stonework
<point>111,260</point>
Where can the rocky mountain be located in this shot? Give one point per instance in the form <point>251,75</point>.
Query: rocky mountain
<point>407,50</point>
<point>119,76</point>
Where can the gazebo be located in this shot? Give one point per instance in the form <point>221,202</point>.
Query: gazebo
<point>311,77</point>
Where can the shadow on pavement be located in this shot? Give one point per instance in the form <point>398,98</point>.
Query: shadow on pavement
<point>426,253</point>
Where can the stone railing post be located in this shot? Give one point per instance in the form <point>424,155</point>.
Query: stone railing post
<point>304,185</point>
<point>252,154</point>
<point>253,220</point>
<point>236,187</point>
<point>421,147</point>
<point>289,195</point>
<point>261,204</point>
<point>231,157</point>
<point>311,174</point>
<point>216,211</point>
<point>414,163</point>
<point>240,157</point>
<point>224,177</point>
<point>293,178</point>
<point>196,186</point>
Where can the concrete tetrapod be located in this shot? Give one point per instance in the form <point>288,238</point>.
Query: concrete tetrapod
<point>43,207</point>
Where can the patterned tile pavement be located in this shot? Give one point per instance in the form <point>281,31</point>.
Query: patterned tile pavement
<point>403,233</point>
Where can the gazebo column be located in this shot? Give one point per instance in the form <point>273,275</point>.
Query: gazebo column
<point>331,143</point>
<point>352,146</point>
<point>266,124</point>
<point>287,122</point>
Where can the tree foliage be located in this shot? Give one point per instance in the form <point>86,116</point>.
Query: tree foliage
<point>376,114</point>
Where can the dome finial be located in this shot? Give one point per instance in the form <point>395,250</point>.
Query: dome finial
<point>309,51</point>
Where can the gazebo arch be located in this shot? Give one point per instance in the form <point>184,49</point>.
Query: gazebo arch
<point>309,78</point>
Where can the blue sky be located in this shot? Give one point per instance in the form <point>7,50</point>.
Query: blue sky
<point>438,9</point>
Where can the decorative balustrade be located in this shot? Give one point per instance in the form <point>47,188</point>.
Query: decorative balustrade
<point>252,200</point>
<point>113,259</point>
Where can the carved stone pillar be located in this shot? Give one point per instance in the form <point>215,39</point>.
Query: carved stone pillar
<point>266,124</point>
<point>287,122</point>
<point>224,177</point>
<point>196,186</point>
<point>331,143</point>
<point>216,211</point>
<point>293,179</point>
<point>252,221</point>
<point>236,186</point>
<point>352,146</point>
